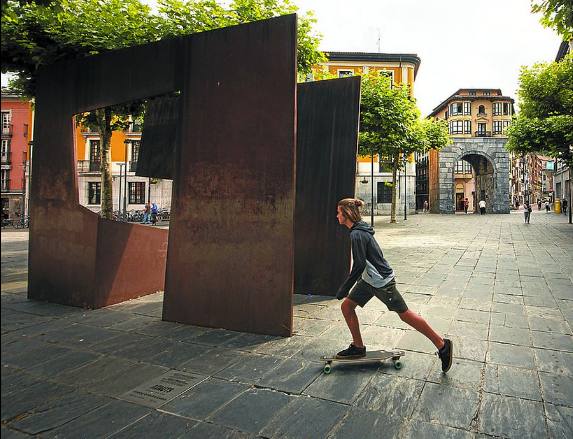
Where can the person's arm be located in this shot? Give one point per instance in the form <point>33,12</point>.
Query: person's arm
<point>358,265</point>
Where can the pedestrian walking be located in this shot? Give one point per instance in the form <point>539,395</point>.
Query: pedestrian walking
<point>466,205</point>
<point>539,204</point>
<point>146,214</point>
<point>482,207</point>
<point>516,204</point>
<point>426,206</point>
<point>370,276</point>
<point>527,211</point>
<point>547,206</point>
<point>564,206</point>
<point>154,210</point>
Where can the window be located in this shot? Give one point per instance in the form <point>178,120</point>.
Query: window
<point>481,109</point>
<point>456,127</point>
<point>384,164</point>
<point>94,192</point>
<point>463,167</point>
<point>487,93</point>
<point>467,126</point>
<point>456,108</point>
<point>506,124</point>
<point>5,148</point>
<point>467,108</point>
<point>94,151</point>
<point>497,127</point>
<point>388,74</point>
<point>384,194</point>
<point>6,120</point>
<point>506,109</point>
<point>135,144</point>
<point>345,73</point>
<point>481,128</point>
<point>136,192</point>
<point>472,93</point>
<point>497,108</point>
<point>5,179</point>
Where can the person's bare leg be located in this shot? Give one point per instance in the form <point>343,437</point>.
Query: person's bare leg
<point>348,311</point>
<point>418,323</point>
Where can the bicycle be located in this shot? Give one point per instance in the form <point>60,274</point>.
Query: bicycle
<point>22,223</point>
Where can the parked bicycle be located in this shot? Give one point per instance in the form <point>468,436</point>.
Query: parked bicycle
<point>22,222</point>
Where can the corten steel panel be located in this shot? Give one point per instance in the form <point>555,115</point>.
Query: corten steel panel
<point>231,243</point>
<point>68,243</point>
<point>159,138</point>
<point>327,139</point>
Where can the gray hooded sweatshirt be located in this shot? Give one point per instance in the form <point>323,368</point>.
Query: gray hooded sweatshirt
<point>368,260</point>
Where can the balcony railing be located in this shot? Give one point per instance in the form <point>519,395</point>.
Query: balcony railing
<point>482,114</point>
<point>483,133</point>
<point>88,166</point>
<point>6,157</point>
<point>7,129</point>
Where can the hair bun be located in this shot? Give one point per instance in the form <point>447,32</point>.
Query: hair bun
<point>358,203</point>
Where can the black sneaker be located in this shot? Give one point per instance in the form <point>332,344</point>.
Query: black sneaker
<point>445,354</point>
<point>352,352</point>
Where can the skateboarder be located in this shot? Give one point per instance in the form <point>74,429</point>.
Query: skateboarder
<point>375,278</point>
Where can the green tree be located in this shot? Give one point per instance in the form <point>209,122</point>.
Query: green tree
<point>545,121</point>
<point>556,14</point>
<point>390,126</point>
<point>34,34</point>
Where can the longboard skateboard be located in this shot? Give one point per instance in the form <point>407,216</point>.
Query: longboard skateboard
<point>371,357</point>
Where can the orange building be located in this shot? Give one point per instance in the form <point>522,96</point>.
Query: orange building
<point>402,68</point>
<point>17,115</point>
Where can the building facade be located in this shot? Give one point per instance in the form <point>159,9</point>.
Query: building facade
<point>17,127</point>
<point>477,121</point>
<point>129,191</point>
<point>402,69</point>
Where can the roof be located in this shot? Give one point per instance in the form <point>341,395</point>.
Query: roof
<point>563,50</point>
<point>376,57</point>
<point>457,95</point>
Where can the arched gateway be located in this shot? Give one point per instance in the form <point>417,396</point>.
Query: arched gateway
<point>490,163</point>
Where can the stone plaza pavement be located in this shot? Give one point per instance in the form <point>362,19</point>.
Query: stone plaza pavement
<point>502,290</point>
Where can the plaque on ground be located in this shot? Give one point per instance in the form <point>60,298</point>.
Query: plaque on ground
<point>162,389</point>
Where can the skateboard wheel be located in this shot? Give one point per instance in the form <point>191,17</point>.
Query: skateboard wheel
<point>327,369</point>
<point>397,365</point>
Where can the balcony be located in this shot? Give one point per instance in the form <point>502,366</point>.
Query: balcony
<point>482,114</point>
<point>88,166</point>
<point>7,129</point>
<point>6,157</point>
<point>482,133</point>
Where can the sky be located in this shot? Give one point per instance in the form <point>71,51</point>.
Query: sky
<point>461,43</point>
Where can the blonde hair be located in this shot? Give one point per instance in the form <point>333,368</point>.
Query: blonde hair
<point>351,208</point>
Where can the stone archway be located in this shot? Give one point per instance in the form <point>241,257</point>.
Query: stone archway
<point>490,162</point>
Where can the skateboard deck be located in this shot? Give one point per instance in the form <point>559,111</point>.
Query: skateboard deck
<point>371,357</point>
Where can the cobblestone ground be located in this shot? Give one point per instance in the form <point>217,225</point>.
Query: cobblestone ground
<point>502,290</point>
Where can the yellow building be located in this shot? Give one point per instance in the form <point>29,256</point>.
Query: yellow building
<point>402,68</point>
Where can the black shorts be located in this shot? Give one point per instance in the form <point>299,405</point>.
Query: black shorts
<point>388,294</point>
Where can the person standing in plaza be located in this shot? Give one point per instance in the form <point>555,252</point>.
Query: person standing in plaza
<point>564,206</point>
<point>370,276</point>
<point>526,211</point>
<point>466,205</point>
<point>426,206</point>
<point>539,204</point>
<point>482,207</point>
<point>547,206</point>
<point>154,211</point>
<point>146,214</point>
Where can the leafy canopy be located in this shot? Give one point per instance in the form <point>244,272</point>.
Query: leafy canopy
<point>34,34</point>
<point>545,123</point>
<point>556,14</point>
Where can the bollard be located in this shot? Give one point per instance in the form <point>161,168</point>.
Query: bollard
<point>557,206</point>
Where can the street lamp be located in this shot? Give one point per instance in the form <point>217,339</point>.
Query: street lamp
<point>126,142</point>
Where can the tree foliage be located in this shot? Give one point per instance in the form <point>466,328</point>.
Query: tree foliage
<point>545,121</point>
<point>556,14</point>
<point>390,126</point>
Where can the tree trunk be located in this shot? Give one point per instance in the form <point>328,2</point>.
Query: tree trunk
<point>104,124</point>
<point>395,164</point>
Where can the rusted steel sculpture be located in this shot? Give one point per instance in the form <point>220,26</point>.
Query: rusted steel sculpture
<point>231,239</point>
<point>327,141</point>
